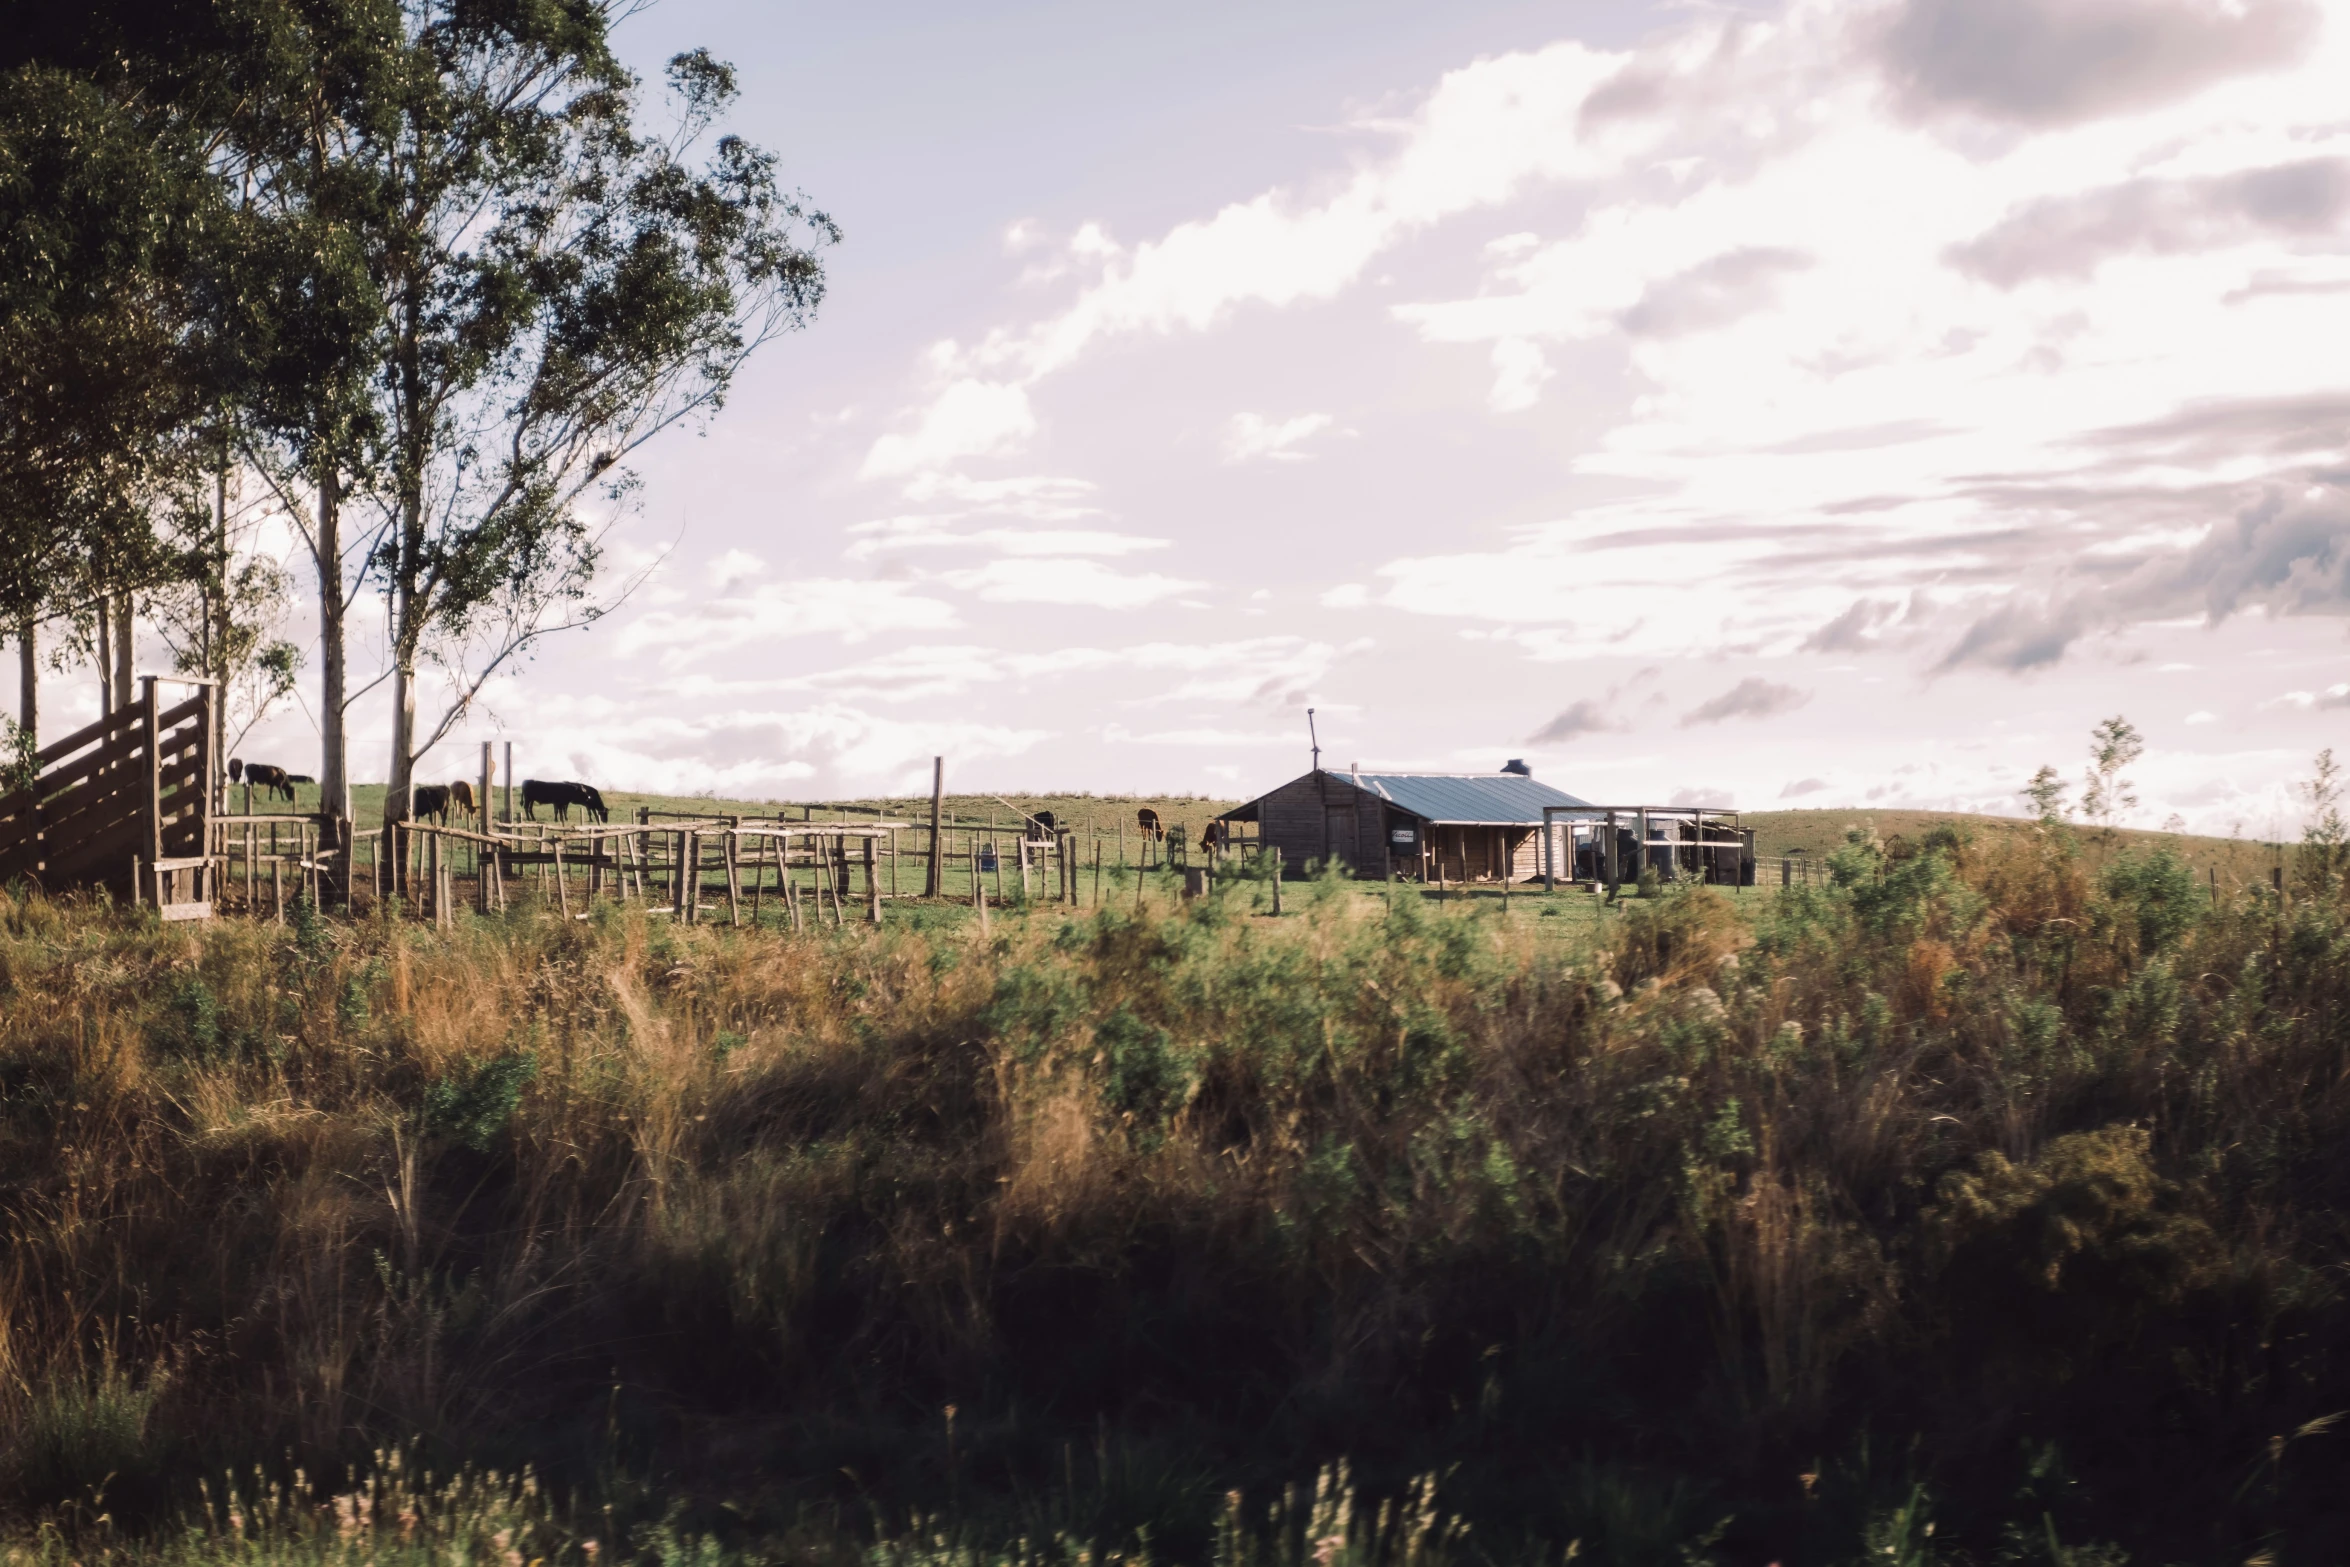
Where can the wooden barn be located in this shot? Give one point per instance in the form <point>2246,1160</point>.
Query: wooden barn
<point>1450,827</point>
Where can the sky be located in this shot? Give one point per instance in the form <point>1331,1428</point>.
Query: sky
<point>1840,403</point>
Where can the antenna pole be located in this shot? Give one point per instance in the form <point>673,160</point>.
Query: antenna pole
<point>1315,738</point>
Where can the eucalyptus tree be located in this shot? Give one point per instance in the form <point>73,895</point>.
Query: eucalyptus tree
<point>103,213</point>
<point>473,288</point>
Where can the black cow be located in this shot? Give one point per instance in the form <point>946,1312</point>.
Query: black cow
<point>431,800</point>
<point>272,779</point>
<point>1040,827</point>
<point>563,796</point>
<point>1148,820</point>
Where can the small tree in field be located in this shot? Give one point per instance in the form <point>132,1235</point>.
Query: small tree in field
<point>2113,745</point>
<point>2325,840</point>
<point>2046,791</point>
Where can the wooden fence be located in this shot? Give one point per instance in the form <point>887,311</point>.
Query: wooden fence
<point>122,804</point>
<point>690,867</point>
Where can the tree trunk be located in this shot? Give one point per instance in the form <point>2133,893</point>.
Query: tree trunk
<point>108,699</point>
<point>28,674</point>
<point>334,763</point>
<point>403,776</point>
<point>125,632</point>
<point>403,742</point>
<point>216,632</point>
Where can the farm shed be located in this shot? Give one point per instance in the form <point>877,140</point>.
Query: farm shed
<point>1426,826</point>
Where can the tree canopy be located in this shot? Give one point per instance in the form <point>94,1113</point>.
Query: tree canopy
<point>430,266</point>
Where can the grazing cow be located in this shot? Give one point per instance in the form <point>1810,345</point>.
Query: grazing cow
<point>461,796</point>
<point>1207,837</point>
<point>236,769</point>
<point>268,777</point>
<point>1148,820</point>
<point>431,800</point>
<point>562,796</point>
<point>1040,827</point>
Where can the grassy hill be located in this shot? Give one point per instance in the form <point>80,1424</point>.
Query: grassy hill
<point>2241,862</point>
<point>1813,833</point>
<point>962,809</point>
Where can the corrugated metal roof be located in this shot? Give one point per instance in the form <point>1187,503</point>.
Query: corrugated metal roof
<point>1497,798</point>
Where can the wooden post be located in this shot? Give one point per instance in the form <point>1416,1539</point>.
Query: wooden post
<point>154,787</point>
<point>207,766</point>
<point>979,886</point>
<point>1097,871</point>
<point>934,886</point>
<point>734,892</point>
<point>872,884</point>
<point>893,865</point>
<point>508,813</point>
<point>277,890</point>
<point>791,891</point>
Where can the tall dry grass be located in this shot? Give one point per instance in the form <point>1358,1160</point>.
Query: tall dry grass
<point>1976,1187</point>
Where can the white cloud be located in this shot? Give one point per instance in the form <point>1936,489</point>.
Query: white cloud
<point>969,418</point>
<point>1486,132</point>
<point>735,569</point>
<point>1252,436</point>
<point>772,611</point>
<point>2331,696</point>
<point>1519,369</point>
<point>1062,580</point>
<point>928,534</point>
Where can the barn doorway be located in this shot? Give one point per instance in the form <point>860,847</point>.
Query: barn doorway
<point>1339,832</point>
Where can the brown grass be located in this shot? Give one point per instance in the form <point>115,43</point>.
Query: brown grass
<point>1985,1146</point>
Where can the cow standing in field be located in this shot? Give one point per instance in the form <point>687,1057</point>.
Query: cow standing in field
<point>563,796</point>
<point>430,800</point>
<point>268,777</point>
<point>461,796</point>
<point>1148,820</point>
<point>1040,827</point>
